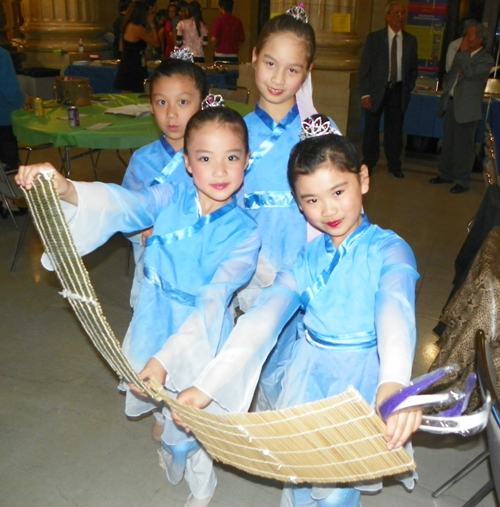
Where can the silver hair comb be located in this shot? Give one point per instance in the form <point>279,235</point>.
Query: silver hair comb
<point>183,53</point>
<point>212,101</point>
<point>315,126</point>
<point>298,12</point>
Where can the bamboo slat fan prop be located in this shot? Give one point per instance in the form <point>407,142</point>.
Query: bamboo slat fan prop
<point>336,440</point>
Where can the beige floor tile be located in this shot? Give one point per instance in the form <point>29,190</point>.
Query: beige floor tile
<point>427,349</point>
<point>432,296</point>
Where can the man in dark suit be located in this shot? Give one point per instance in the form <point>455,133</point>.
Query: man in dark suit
<point>387,76</point>
<point>461,105</point>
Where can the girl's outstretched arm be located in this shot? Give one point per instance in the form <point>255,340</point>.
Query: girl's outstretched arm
<point>396,334</point>
<point>27,173</point>
<point>231,377</point>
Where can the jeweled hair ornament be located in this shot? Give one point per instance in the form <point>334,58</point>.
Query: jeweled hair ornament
<point>315,126</point>
<point>212,101</point>
<point>298,12</point>
<point>182,53</point>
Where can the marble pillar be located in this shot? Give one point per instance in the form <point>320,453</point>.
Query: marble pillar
<point>3,25</point>
<point>6,33</point>
<point>53,28</point>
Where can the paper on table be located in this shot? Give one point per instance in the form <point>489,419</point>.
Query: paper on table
<point>136,110</point>
<point>102,100</point>
<point>98,126</point>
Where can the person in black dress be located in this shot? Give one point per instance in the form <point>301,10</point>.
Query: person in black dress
<point>132,70</point>
<point>117,27</point>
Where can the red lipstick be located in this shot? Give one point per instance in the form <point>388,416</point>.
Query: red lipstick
<point>335,224</point>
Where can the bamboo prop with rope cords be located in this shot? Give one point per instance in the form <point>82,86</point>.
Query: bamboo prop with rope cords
<point>335,440</point>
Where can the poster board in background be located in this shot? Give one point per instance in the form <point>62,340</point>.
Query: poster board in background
<point>426,21</point>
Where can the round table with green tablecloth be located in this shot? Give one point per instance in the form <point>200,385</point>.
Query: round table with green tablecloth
<point>124,132</point>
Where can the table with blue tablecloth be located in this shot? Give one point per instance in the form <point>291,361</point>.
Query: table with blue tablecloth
<point>102,77</point>
<point>421,119</point>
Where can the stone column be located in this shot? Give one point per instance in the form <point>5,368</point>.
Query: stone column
<point>52,29</point>
<point>337,56</point>
<point>4,39</point>
<point>3,28</point>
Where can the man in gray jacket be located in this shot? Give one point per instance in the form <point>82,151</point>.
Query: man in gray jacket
<point>461,104</point>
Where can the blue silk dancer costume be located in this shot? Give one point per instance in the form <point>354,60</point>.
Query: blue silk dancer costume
<point>267,197</point>
<point>193,265</point>
<point>152,164</point>
<point>358,329</point>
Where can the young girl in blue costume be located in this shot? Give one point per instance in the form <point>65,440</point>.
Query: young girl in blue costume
<point>203,249</point>
<point>282,60</point>
<point>177,88</point>
<point>356,286</point>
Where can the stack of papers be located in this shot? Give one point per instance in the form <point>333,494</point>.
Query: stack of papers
<point>135,110</point>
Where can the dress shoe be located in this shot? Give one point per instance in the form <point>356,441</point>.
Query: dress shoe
<point>458,189</point>
<point>398,173</point>
<point>438,181</point>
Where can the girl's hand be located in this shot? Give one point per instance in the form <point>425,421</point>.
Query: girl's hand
<point>26,175</point>
<point>400,425</point>
<point>191,397</point>
<point>154,369</point>
<point>145,234</point>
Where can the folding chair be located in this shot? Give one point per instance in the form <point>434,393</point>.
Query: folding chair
<point>9,190</point>
<point>29,149</point>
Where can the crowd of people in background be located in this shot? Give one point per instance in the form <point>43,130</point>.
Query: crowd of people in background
<point>181,24</point>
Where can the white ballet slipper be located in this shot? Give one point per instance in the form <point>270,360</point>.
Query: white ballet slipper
<point>192,501</point>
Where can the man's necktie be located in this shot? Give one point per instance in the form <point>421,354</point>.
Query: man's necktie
<point>394,59</point>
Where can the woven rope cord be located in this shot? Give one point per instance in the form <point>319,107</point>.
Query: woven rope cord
<point>336,440</point>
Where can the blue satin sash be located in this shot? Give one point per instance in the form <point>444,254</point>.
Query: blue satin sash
<point>193,229</point>
<point>177,160</point>
<point>352,341</point>
<point>323,278</point>
<point>168,289</point>
<point>268,143</point>
<point>263,199</point>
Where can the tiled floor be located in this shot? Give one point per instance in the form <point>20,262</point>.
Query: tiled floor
<point>64,440</point>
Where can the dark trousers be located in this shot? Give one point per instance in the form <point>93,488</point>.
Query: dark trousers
<point>393,130</point>
<point>9,152</point>
<point>458,150</point>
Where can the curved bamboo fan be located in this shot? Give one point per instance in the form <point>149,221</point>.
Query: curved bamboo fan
<point>336,440</point>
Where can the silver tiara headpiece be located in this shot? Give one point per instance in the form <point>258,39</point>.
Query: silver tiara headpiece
<point>212,101</point>
<point>182,54</point>
<point>315,126</point>
<point>298,12</point>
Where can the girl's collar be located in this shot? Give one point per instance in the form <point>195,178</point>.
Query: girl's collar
<point>168,147</point>
<point>269,122</point>
<point>330,247</point>
<point>230,205</point>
